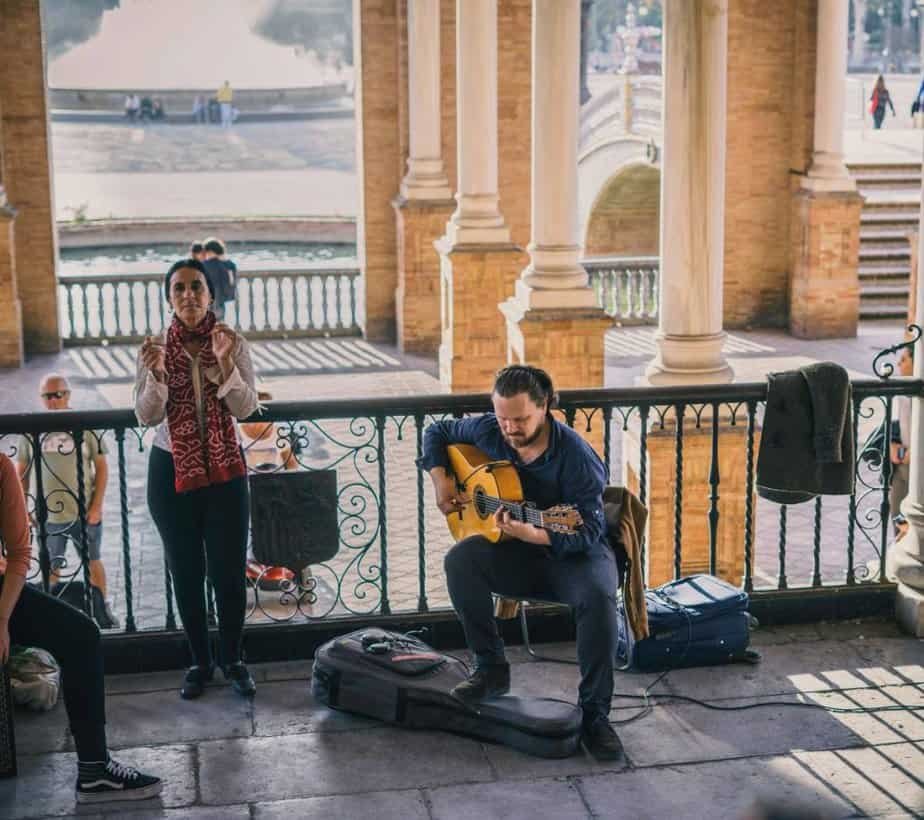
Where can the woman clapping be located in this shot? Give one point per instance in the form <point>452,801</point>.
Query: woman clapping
<point>193,382</point>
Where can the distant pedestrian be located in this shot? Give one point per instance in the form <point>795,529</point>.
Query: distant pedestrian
<point>214,111</point>
<point>198,109</point>
<point>197,251</point>
<point>131,107</point>
<point>917,107</point>
<point>147,109</point>
<point>195,380</point>
<point>225,95</point>
<point>879,99</point>
<point>222,272</point>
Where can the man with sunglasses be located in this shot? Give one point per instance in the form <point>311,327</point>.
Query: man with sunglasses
<point>59,487</point>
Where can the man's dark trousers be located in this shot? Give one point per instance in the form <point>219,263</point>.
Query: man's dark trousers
<point>475,568</point>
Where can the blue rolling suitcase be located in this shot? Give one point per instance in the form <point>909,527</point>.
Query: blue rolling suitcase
<point>700,620</point>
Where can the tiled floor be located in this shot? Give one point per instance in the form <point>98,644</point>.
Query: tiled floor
<point>284,755</point>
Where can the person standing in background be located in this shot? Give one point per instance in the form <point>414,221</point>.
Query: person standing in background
<point>222,272</point>
<point>225,95</point>
<point>60,488</point>
<point>879,99</point>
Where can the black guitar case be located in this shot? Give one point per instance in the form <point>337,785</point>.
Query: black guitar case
<point>399,679</point>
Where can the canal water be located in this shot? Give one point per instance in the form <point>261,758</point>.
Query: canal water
<point>134,259</point>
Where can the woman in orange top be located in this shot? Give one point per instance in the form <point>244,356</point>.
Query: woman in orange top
<point>32,618</point>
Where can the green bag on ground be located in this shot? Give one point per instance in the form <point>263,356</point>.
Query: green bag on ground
<point>35,678</point>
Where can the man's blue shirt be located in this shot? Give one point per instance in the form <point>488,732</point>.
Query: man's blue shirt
<point>568,472</point>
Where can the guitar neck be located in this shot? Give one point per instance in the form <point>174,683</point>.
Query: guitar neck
<point>520,512</point>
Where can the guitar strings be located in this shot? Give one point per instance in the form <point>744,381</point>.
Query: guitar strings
<point>491,503</point>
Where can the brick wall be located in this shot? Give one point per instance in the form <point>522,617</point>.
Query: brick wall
<point>11,348</point>
<point>448,88</point>
<point>770,106</point>
<point>378,155</point>
<point>514,106</point>
<point>624,221</point>
<point>26,171</point>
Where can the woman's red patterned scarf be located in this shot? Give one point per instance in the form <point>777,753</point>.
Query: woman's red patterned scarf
<point>217,459</point>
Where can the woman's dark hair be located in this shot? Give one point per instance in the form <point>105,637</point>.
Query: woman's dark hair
<point>524,378</point>
<point>195,264</point>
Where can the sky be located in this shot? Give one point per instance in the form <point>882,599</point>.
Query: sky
<point>184,44</point>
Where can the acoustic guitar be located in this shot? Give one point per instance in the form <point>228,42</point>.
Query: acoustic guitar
<point>492,485</point>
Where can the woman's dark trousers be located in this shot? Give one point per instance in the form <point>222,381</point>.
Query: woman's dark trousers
<point>878,117</point>
<point>73,639</point>
<point>475,568</point>
<point>203,528</point>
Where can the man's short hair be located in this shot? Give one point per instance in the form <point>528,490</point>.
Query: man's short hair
<point>215,245</point>
<point>196,247</point>
<point>58,377</point>
<point>524,378</point>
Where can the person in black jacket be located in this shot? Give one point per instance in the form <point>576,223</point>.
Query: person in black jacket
<point>222,272</point>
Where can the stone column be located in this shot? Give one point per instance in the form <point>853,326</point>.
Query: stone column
<point>690,335</point>
<point>553,319</point>
<point>27,171</point>
<point>11,346</point>
<point>905,560</point>
<point>477,258</point>
<point>824,286</point>
<point>477,218</point>
<point>378,158</point>
<point>425,199</point>
<point>828,171</point>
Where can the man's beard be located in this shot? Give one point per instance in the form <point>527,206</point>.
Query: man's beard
<point>519,444</point>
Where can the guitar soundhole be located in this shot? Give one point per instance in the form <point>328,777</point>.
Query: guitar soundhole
<point>481,504</point>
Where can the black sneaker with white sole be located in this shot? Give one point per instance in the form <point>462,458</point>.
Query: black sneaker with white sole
<point>112,781</point>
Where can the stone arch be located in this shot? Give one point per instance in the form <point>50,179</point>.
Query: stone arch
<point>624,219</point>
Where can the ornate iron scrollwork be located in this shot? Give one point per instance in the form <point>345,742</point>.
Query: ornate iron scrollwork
<point>884,370</point>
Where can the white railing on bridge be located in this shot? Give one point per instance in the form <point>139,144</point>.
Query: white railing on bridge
<point>626,287</point>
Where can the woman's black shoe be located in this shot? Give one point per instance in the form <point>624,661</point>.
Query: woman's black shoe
<point>195,680</point>
<point>241,681</point>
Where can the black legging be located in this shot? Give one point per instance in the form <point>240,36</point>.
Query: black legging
<point>216,517</point>
<point>73,639</point>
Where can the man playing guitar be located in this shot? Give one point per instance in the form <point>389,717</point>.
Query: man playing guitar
<point>555,466</point>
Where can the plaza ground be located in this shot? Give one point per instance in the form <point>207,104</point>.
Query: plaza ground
<point>284,756</point>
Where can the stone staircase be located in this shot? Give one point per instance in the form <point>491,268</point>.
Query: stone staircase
<point>891,211</point>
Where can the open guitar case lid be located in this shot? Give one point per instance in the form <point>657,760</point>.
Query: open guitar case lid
<point>399,679</point>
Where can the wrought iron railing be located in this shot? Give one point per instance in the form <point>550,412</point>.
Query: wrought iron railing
<point>626,287</point>
<point>269,304</point>
<point>391,539</point>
